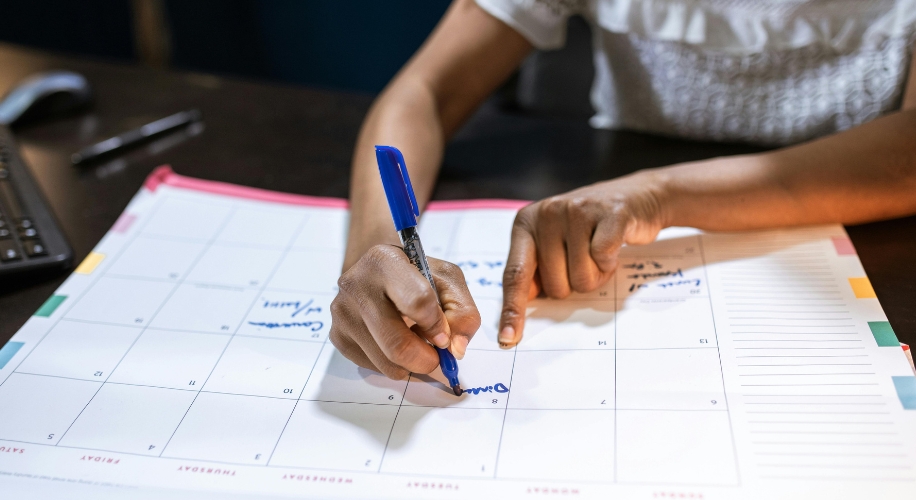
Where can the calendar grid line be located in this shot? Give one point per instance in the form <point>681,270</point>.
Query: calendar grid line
<point>409,405</point>
<point>731,430</point>
<point>248,335</point>
<point>211,284</point>
<point>152,317</point>
<point>196,332</point>
<point>92,283</point>
<point>381,460</point>
<point>296,404</point>
<point>616,312</point>
<point>234,244</point>
<point>502,428</point>
<point>250,307</point>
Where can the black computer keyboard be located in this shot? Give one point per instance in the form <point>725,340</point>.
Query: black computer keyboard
<point>29,237</point>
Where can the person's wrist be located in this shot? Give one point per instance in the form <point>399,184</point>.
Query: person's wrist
<point>659,188</point>
<point>648,204</point>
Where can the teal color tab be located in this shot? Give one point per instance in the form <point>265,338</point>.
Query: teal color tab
<point>884,334</point>
<point>50,305</point>
<point>8,351</point>
<point>906,391</point>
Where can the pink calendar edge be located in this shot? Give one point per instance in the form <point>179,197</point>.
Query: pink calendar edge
<point>164,175</point>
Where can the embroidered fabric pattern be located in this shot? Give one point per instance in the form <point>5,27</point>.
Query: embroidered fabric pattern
<point>763,71</point>
<point>771,97</point>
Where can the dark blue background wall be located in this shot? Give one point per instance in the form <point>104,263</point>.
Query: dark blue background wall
<point>344,44</point>
<point>98,27</point>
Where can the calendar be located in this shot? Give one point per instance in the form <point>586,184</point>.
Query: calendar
<point>188,354</point>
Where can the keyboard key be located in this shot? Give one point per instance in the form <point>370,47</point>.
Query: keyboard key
<point>29,233</point>
<point>8,251</point>
<point>34,248</point>
<point>25,224</point>
<point>4,234</point>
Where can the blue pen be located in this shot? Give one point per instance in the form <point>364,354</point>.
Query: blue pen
<point>404,211</point>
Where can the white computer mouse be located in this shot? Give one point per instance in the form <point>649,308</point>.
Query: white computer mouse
<point>45,94</point>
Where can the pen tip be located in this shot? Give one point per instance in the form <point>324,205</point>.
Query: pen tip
<point>458,390</point>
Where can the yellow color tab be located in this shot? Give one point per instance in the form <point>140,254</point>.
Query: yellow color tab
<point>862,288</point>
<point>89,264</point>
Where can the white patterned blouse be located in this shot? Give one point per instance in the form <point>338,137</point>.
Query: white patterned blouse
<point>762,71</point>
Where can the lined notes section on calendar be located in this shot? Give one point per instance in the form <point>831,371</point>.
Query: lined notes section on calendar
<point>813,396</point>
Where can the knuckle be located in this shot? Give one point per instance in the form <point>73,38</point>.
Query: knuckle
<point>556,290</point>
<point>513,274</point>
<point>346,281</point>
<point>578,205</point>
<point>451,271</point>
<point>410,355</point>
<point>524,216</point>
<point>337,338</point>
<point>605,260</point>
<point>401,353</point>
<point>393,371</point>
<point>620,211</point>
<point>338,310</point>
<point>426,366</point>
<point>380,256</point>
<point>466,322</point>
<point>510,314</point>
<point>421,301</point>
<point>473,322</point>
<point>582,283</point>
<point>553,206</point>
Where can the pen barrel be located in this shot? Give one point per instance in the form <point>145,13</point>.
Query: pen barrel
<point>410,239</point>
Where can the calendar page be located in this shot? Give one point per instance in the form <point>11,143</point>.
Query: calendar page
<point>188,354</point>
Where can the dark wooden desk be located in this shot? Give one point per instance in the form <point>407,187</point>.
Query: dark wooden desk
<point>300,140</point>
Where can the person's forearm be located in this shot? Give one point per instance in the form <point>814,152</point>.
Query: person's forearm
<point>822,181</point>
<point>468,55</point>
<point>405,116</point>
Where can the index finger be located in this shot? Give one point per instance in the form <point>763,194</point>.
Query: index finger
<point>517,284</point>
<point>460,309</point>
<point>413,296</point>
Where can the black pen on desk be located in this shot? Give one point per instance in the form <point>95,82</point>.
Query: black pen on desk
<point>404,211</point>
<point>134,137</point>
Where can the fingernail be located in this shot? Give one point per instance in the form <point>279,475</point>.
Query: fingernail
<point>459,346</point>
<point>441,340</point>
<point>506,336</point>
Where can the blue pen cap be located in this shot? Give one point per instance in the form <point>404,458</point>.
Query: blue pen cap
<point>396,181</point>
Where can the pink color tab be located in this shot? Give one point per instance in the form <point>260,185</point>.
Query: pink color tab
<point>843,245</point>
<point>165,175</point>
<point>124,222</point>
<point>477,204</point>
